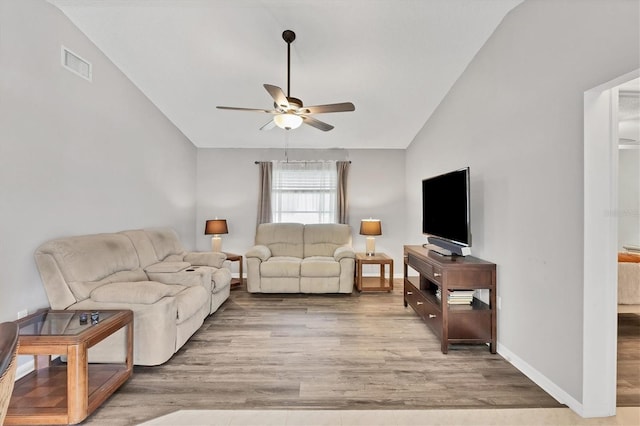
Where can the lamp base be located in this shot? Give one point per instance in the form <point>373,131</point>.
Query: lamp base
<point>216,244</point>
<point>371,246</point>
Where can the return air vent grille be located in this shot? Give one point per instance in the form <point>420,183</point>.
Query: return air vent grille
<point>76,64</point>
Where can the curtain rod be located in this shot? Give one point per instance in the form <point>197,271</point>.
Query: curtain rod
<point>301,161</point>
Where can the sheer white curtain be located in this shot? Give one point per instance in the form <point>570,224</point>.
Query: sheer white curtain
<point>304,192</point>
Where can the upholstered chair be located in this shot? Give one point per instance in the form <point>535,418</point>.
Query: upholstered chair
<point>8,351</point>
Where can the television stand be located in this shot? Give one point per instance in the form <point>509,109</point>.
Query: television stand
<point>452,323</point>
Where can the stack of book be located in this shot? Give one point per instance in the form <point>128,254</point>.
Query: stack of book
<point>457,297</point>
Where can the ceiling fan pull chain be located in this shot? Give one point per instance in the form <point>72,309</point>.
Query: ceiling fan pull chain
<point>286,146</point>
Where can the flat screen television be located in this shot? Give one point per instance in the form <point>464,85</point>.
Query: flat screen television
<point>446,212</point>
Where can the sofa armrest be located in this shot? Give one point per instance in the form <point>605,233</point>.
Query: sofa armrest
<point>261,252</point>
<point>344,252</point>
<point>206,258</point>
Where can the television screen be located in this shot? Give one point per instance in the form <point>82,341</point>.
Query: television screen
<point>445,207</point>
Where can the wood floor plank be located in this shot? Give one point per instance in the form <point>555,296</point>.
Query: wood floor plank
<point>628,385</point>
<point>359,351</point>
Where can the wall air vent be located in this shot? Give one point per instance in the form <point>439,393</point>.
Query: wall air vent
<point>76,64</point>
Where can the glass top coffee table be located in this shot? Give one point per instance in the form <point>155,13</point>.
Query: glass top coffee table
<point>67,392</point>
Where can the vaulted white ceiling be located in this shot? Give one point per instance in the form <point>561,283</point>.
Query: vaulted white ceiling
<point>394,59</point>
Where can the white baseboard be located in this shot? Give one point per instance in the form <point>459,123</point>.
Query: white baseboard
<point>541,380</point>
<point>25,368</point>
<point>26,365</point>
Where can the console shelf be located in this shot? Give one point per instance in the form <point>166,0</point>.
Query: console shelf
<point>471,323</point>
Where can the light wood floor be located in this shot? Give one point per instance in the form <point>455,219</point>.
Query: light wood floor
<point>628,385</point>
<point>360,351</point>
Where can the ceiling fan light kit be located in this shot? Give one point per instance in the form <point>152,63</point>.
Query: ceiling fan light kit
<point>289,112</point>
<point>288,121</point>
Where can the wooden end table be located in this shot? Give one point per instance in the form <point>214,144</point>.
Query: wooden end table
<point>67,393</point>
<point>381,259</point>
<point>236,282</point>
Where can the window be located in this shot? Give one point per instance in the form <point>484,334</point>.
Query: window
<point>304,192</point>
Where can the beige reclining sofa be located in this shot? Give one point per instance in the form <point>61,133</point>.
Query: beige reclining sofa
<point>170,291</point>
<point>297,258</point>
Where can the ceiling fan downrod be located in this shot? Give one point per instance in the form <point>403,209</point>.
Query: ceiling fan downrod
<point>288,36</point>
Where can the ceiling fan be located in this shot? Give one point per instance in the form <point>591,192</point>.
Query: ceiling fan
<point>289,112</point>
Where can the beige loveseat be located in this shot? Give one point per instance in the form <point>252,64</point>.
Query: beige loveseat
<point>297,258</point>
<point>170,291</point>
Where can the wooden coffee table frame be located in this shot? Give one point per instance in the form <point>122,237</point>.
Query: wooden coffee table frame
<point>87,385</point>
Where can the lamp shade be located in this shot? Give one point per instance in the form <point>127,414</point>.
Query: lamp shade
<point>216,227</point>
<point>288,121</point>
<point>370,227</point>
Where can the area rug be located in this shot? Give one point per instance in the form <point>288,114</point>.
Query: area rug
<point>626,416</point>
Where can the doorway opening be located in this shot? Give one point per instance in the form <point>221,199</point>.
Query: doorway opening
<point>601,111</point>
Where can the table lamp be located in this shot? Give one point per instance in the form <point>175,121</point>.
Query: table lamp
<point>370,227</point>
<point>216,227</point>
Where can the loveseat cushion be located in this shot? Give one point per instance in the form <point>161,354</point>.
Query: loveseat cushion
<point>319,266</point>
<point>322,239</point>
<point>283,239</point>
<point>281,266</point>
<point>141,292</point>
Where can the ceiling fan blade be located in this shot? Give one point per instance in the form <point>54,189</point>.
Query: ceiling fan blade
<point>270,125</point>
<point>270,111</point>
<point>321,109</point>
<point>278,96</point>
<point>316,123</point>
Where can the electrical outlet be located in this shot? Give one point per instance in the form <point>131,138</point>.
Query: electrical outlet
<point>499,302</point>
<point>23,313</point>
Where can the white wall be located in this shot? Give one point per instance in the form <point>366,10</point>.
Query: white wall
<point>76,157</point>
<point>515,117</point>
<point>228,188</point>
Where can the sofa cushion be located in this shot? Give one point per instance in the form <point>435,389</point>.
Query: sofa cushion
<point>281,266</point>
<point>190,302</point>
<point>144,248</point>
<point>82,289</point>
<point>167,267</point>
<point>322,239</point>
<point>283,239</point>
<point>92,257</point>
<point>319,266</point>
<point>165,242</point>
<point>142,292</point>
